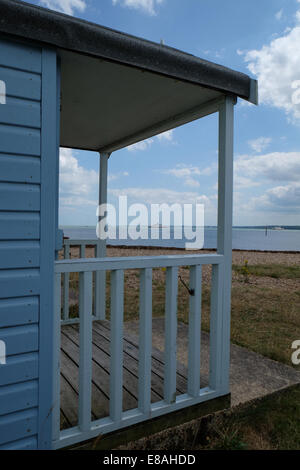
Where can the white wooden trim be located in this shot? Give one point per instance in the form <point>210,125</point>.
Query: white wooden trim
<point>106,264</point>
<point>145,341</point>
<point>100,278</point>
<point>85,351</point>
<point>171,335</point>
<point>116,345</point>
<point>224,243</point>
<point>194,346</point>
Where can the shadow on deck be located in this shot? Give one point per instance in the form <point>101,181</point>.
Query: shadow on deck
<point>101,370</point>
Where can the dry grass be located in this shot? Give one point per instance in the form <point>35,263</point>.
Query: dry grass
<point>270,423</point>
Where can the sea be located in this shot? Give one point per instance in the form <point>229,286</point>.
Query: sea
<point>243,238</point>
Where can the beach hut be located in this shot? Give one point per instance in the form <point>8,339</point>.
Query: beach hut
<point>67,82</point>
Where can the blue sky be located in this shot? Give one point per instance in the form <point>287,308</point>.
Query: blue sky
<point>259,38</point>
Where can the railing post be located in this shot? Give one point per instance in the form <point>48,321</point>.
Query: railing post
<point>226,124</point>
<point>66,285</point>
<point>194,332</point>
<point>216,309</point>
<point>145,341</point>
<point>100,277</point>
<point>56,358</point>
<point>82,250</point>
<point>171,335</point>
<point>85,353</point>
<point>116,345</point>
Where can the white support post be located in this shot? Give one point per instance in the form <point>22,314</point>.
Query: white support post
<point>224,244</point>
<point>215,343</point>
<point>100,277</point>
<point>145,341</point>
<point>171,335</point>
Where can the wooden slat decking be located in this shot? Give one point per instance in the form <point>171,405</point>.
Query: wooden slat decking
<point>101,367</point>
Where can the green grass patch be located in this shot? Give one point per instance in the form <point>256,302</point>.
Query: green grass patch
<point>277,271</point>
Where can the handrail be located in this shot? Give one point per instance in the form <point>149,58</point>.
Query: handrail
<point>140,262</point>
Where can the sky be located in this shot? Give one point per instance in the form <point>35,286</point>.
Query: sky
<point>260,38</point>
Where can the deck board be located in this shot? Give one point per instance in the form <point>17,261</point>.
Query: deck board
<point>101,368</point>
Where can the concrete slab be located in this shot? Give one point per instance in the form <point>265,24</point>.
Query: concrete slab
<point>251,375</point>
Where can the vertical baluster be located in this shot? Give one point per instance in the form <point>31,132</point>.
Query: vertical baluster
<point>116,345</point>
<point>170,335</point>
<point>100,283</point>
<point>66,285</point>
<point>82,250</point>
<point>215,353</point>
<point>56,357</point>
<point>85,353</point>
<point>194,332</point>
<point>145,340</point>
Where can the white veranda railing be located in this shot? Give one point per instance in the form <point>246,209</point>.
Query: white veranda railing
<point>117,419</point>
<point>99,278</point>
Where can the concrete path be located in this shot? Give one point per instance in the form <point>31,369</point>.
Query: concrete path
<point>251,375</point>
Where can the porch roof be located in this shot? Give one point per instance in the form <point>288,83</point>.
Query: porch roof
<point>118,89</point>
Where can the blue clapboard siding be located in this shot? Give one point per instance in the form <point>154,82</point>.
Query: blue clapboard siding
<point>23,140</point>
<point>21,112</point>
<point>20,240</point>
<point>21,84</point>
<point>20,368</point>
<point>22,444</point>
<point>19,226</point>
<point>20,56</point>
<point>20,339</point>
<point>18,397</point>
<point>17,425</point>
<point>20,169</point>
<point>19,311</point>
<point>19,282</point>
<point>19,254</point>
<point>19,197</point>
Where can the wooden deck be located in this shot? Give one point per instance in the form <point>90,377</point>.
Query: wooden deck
<point>101,367</point>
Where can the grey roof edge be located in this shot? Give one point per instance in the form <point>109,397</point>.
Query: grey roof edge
<point>29,21</point>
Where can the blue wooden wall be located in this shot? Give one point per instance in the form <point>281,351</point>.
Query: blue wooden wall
<point>28,197</point>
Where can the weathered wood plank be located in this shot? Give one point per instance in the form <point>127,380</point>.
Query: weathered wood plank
<point>130,372</point>
<point>131,348</point>
<point>101,367</point>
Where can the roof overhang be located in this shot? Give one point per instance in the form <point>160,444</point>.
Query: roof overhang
<point>117,89</point>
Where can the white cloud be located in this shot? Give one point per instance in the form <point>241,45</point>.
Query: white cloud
<point>278,199</point>
<point>147,6</point>
<point>260,144</point>
<point>277,65</point>
<point>140,146</point>
<point>279,14</point>
<point>161,195</point>
<point>168,135</point>
<point>65,6</point>
<point>188,173</point>
<point>276,166</point>
<point>146,144</point>
<point>78,186</point>
<point>75,180</point>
